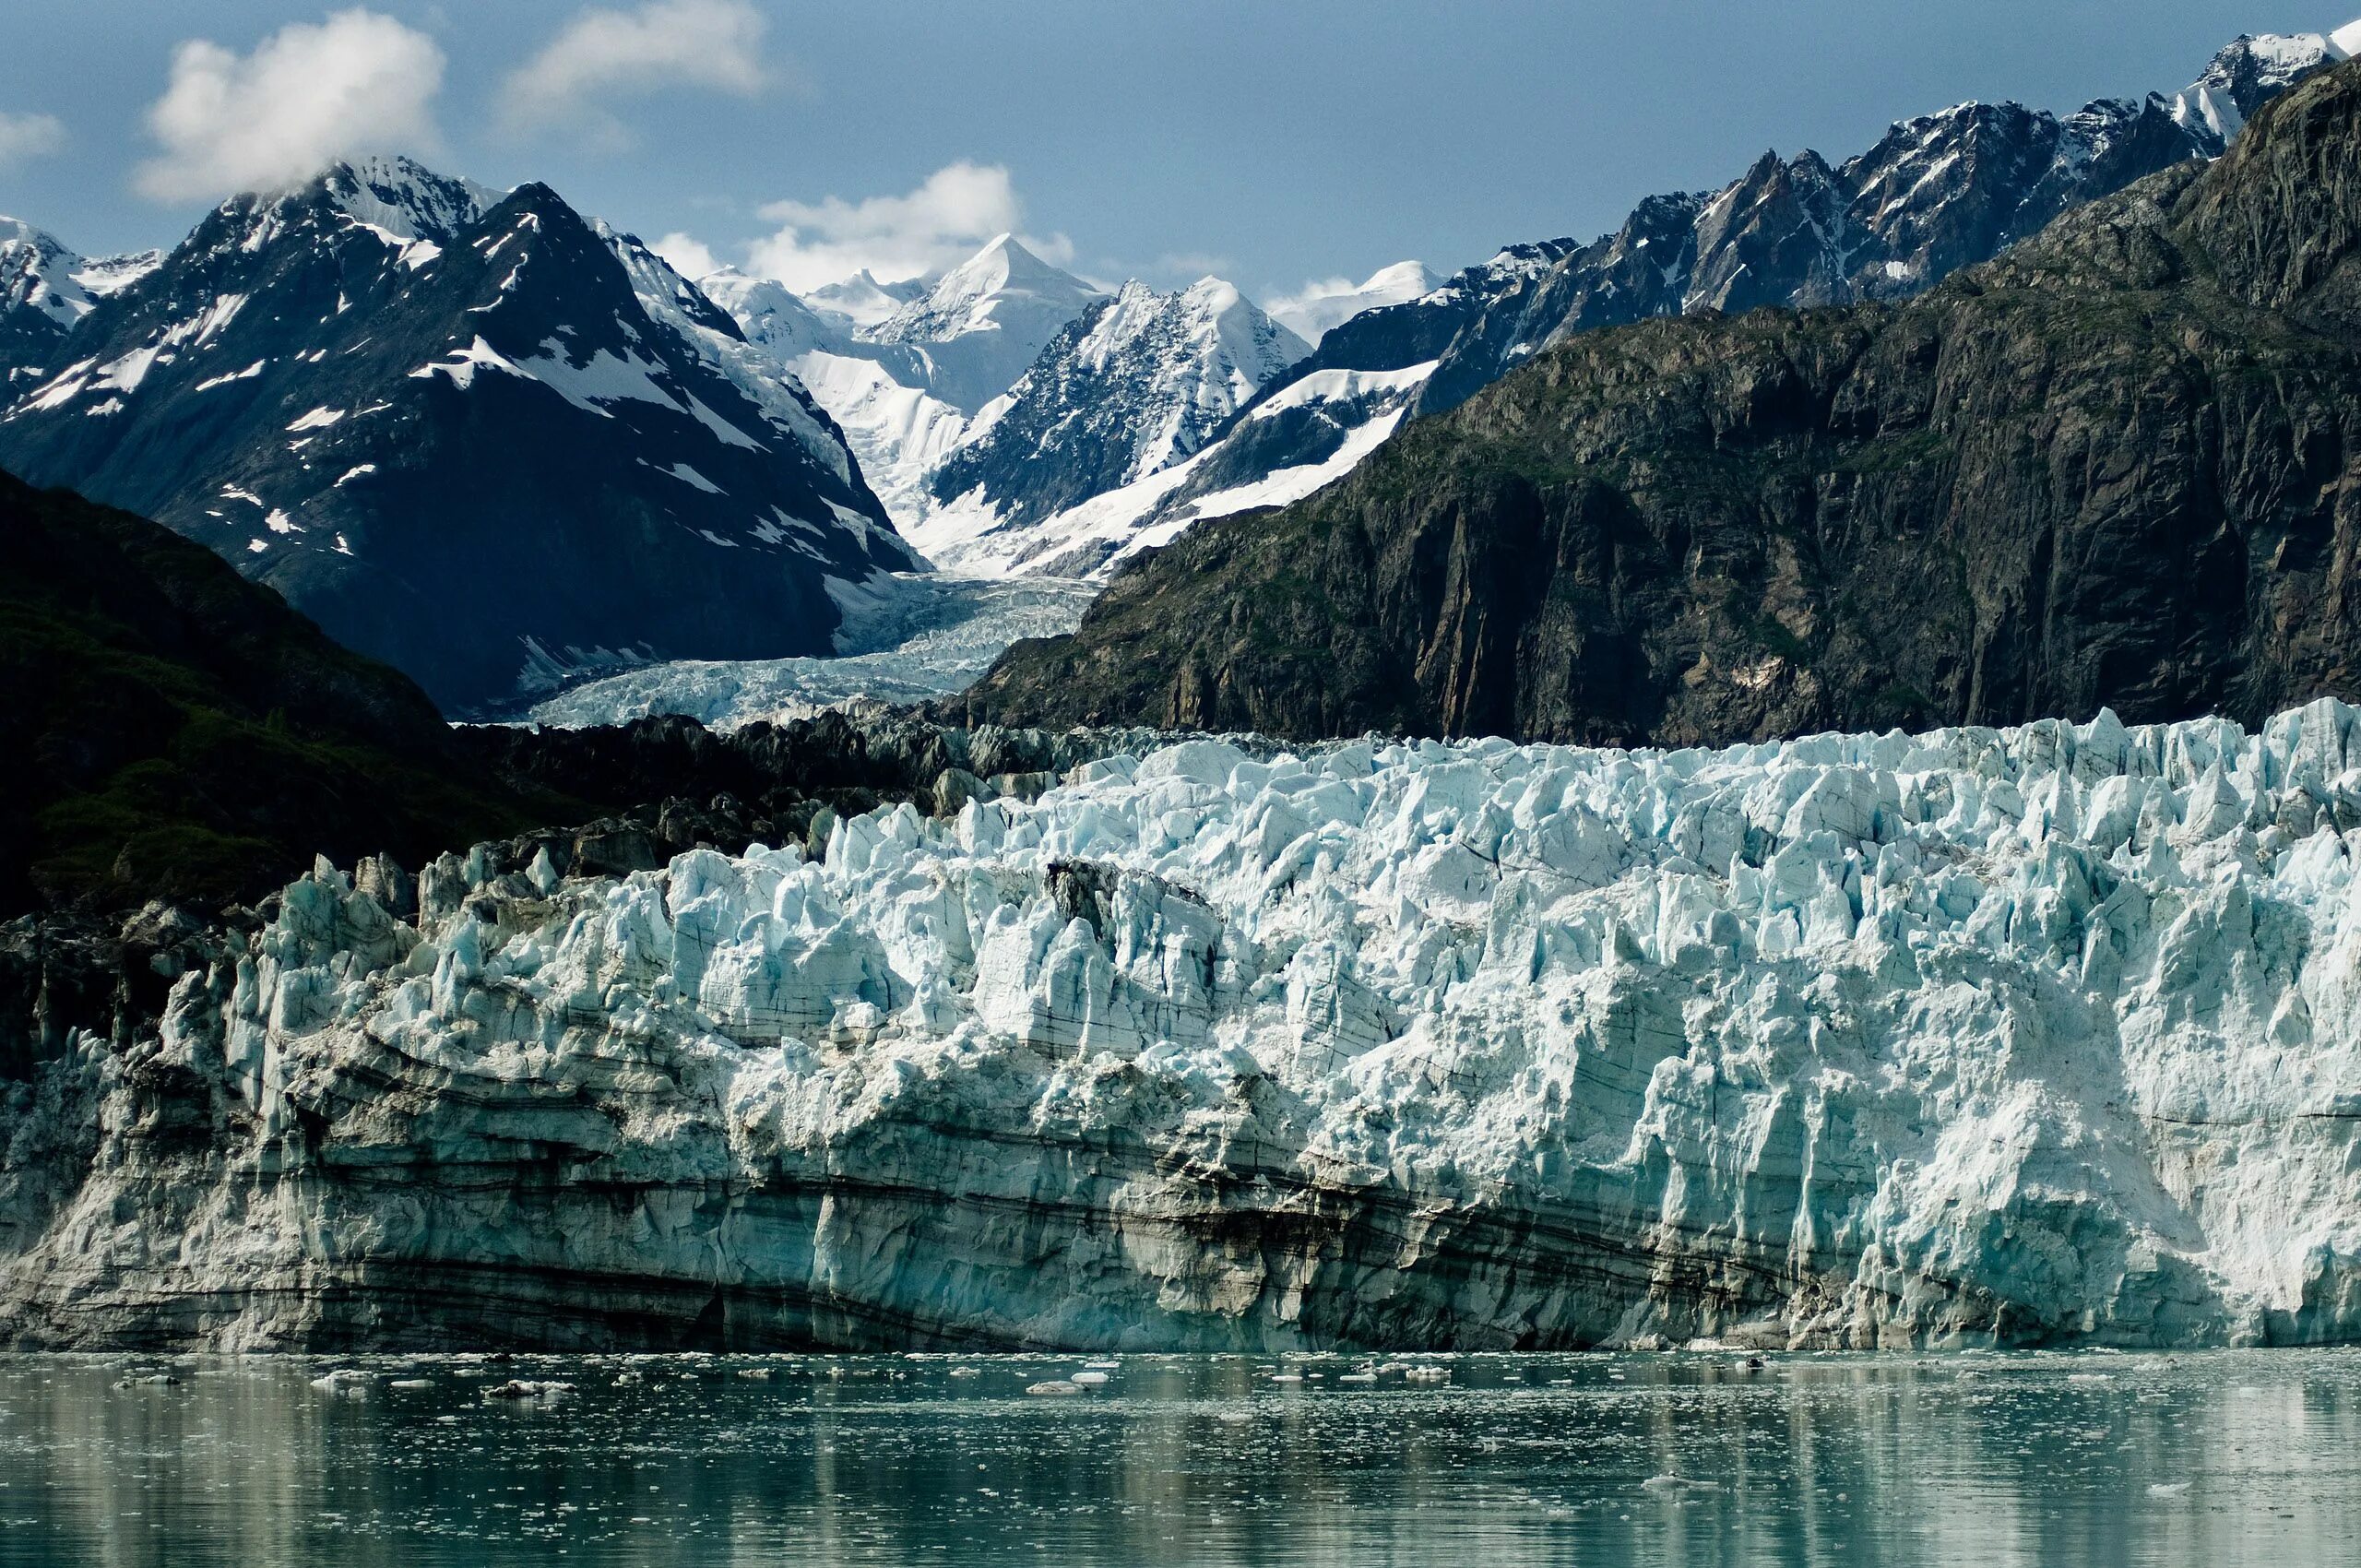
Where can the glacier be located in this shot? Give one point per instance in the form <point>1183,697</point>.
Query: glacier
<point>2033,1036</point>
<point>905,638</point>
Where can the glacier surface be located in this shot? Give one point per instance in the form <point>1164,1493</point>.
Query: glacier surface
<point>2041,1035</point>
<point>906,638</point>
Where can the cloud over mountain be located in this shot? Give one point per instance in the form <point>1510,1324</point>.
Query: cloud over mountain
<point>601,56</point>
<point>357,82</point>
<point>927,229</point>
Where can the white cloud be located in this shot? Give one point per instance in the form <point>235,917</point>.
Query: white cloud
<point>937,225</point>
<point>1187,267</point>
<point>602,55</point>
<point>687,255</point>
<point>311,93</point>
<point>24,137</point>
<point>1325,304</point>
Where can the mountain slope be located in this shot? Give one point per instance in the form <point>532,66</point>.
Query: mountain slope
<point>2114,465</point>
<point>45,289</point>
<point>175,732</point>
<point>494,445</point>
<point>1137,383</point>
<point>983,322</point>
<point>1935,193</point>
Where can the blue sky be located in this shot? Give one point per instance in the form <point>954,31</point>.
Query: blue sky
<point>1274,142</point>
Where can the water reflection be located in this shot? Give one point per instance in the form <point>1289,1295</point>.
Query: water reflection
<point>2238,1457</point>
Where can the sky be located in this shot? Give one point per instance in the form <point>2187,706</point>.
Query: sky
<point>1277,143</point>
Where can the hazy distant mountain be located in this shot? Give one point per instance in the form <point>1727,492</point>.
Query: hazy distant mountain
<point>1313,313</point>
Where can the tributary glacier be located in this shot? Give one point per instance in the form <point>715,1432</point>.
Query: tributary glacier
<point>2039,1035</point>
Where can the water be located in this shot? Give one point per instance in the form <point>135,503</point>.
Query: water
<point>2226,1458</point>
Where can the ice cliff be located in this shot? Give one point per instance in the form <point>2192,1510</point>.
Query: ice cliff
<point>2035,1035</point>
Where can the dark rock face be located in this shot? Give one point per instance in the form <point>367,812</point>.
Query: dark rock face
<point>2112,467</point>
<point>460,439</point>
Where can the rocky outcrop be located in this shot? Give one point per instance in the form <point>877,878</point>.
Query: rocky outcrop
<point>2110,468</point>
<point>2042,1036</point>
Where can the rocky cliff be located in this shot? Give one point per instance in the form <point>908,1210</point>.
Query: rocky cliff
<point>2114,465</point>
<point>2040,1036</point>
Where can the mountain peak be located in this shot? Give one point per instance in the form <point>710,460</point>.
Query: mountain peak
<point>970,294</point>
<point>37,273</point>
<point>998,307</point>
<point>2251,69</point>
<point>405,198</point>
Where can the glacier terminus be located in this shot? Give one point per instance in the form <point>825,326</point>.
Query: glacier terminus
<point>2038,1036</point>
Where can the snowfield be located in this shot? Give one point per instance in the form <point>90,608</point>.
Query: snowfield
<point>2038,1035</point>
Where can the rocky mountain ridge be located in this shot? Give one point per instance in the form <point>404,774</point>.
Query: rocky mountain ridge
<point>1936,192</point>
<point>2109,468</point>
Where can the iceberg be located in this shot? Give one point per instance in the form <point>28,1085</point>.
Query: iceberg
<point>1980,1036</point>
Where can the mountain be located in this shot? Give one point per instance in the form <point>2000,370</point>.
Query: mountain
<point>1936,193</point>
<point>1313,313</point>
<point>45,289</point>
<point>476,437</point>
<point>904,368</point>
<point>1137,383</point>
<point>863,300</point>
<point>177,732</point>
<point>876,393</point>
<point>2249,73</point>
<point>2111,467</point>
<point>984,322</point>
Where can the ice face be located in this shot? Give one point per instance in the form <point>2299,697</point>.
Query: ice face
<point>1981,1036</point>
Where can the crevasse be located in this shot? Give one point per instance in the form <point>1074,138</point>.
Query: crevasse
<point>2036,1034</point>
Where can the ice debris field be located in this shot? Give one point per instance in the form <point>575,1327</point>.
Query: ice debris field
<point>2035,1035</point>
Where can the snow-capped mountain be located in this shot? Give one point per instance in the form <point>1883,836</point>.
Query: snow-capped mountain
<point>875,392</point>
<point>474,434</point>
<point>1314,313</point>
<point>983,323</point>
<point>862,300</point>
<point>1138,382</point>
<point>45,289</point>
<point>1935,193</point>
<point>2250,72</point>
<point>904,368</point>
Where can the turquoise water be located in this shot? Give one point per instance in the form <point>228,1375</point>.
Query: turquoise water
<point>2224,1458</point>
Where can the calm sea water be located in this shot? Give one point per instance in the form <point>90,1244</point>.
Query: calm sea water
<point>2226,1458</point>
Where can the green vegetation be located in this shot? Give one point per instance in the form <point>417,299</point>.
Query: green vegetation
<point>174,731</point>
